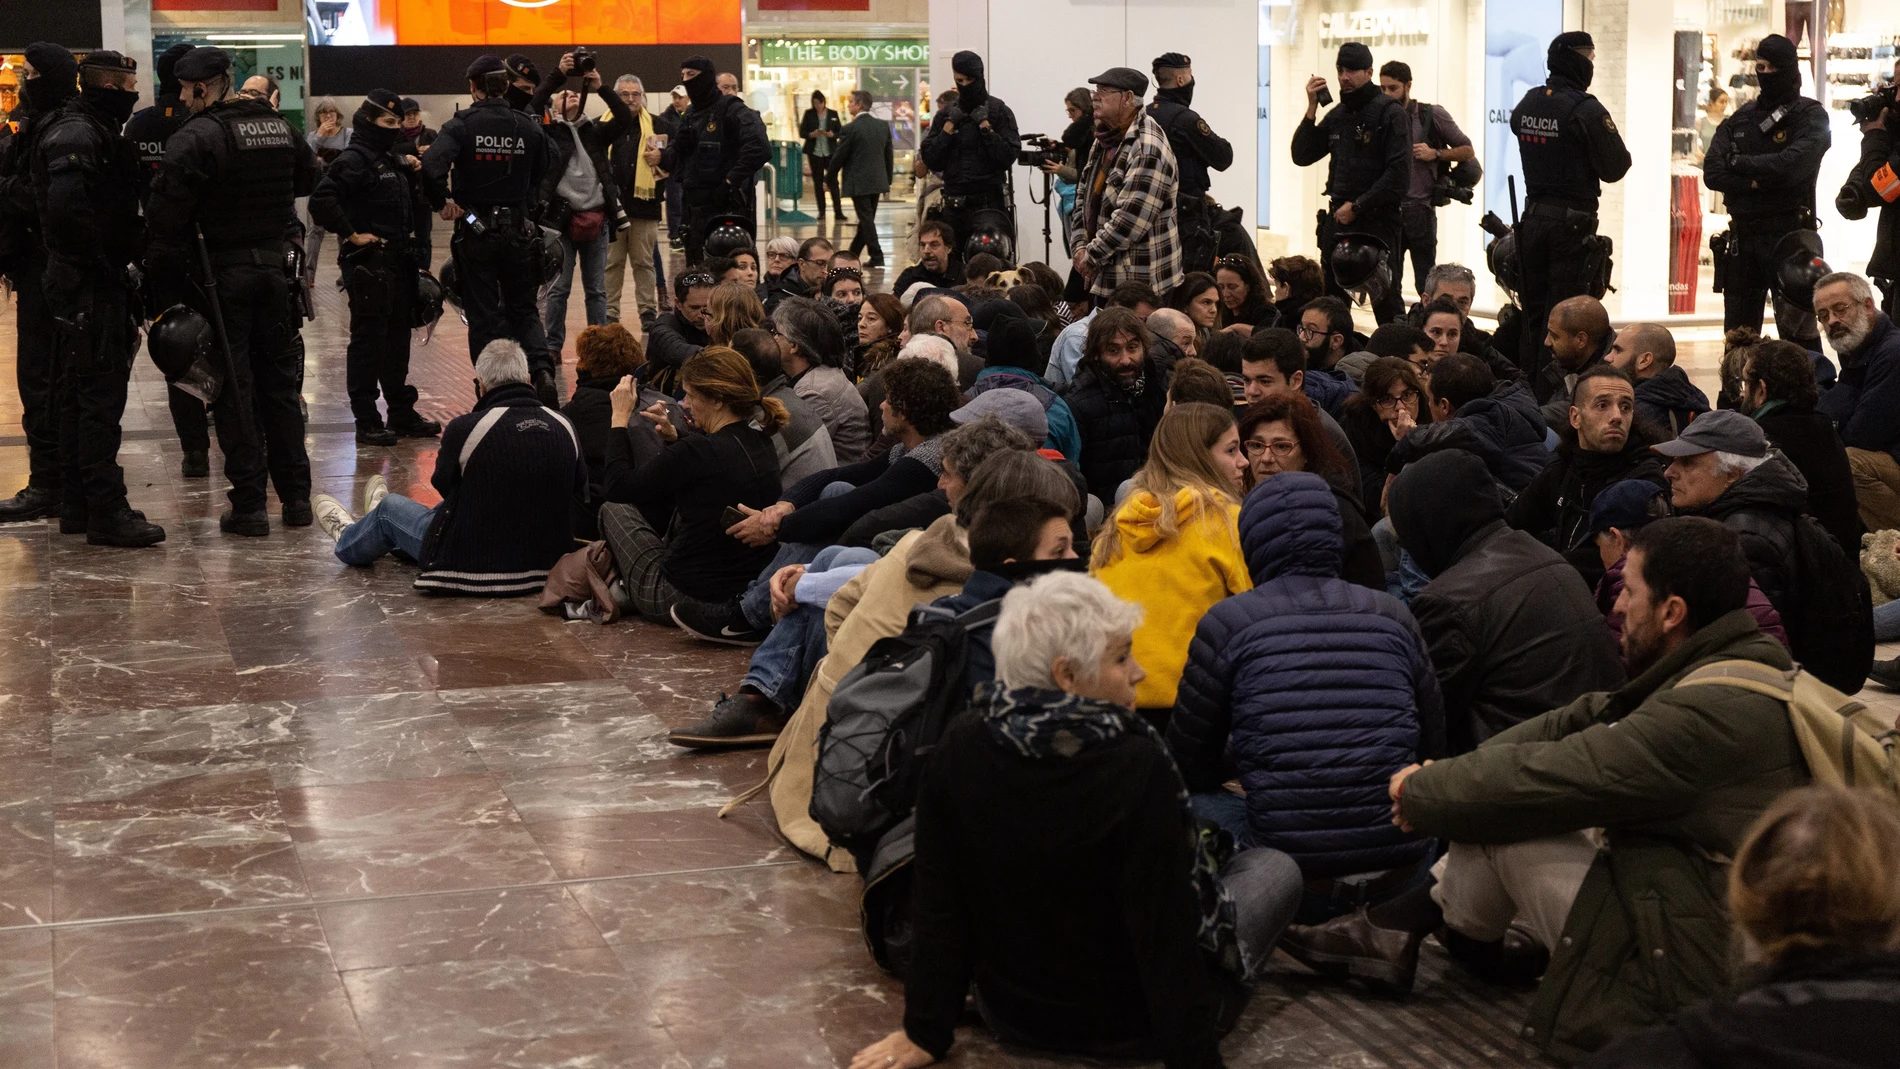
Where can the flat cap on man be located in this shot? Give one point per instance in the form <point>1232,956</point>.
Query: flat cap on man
<point>1127,78</point>
<point>1720,431</point>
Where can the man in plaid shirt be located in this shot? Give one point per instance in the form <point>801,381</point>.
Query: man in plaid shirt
<point>1124,220</point>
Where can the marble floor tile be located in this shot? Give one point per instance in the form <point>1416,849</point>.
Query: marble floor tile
<point>201,865</point>
<point>26,865</point>
<point>425,929</point>
<point>754,976</point>
<point>26,1035</point>
<point>230,1025</point>
<point>154,960</point>
<point>754,900</point>
<point>26,966</point>
<point>674,779</point>
<point>668,841</point>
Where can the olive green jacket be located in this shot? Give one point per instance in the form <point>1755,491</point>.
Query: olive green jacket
<point>1675,778</point>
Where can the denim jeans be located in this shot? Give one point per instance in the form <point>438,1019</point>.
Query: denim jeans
<point>756,602</point>
<point>1887,622</point>
<point>592,256</point>
<point>396,524</point>
<point>784,662</point>
<point>1229,810</point>
<point>1403,577</point>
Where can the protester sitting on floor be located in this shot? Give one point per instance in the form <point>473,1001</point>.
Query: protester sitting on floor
<point>1057,867</point>
<point>1118,394</point>
<point>963,450</point>
<point>812,347</point>
<point>1274,362</point>
<point>1283,434</point>
<point>804,443</point>
<point>667,492</point>
<point>948,315</point>
<point>1664,395</point>
<point>1778,383</point>
<point>1391,402</point>
<point>680,333</point>
<point>1673,776</point>
<point>605,354</point>
<point>812,514</point>
<point>1175,326</point>
<point>1196,380</point>
<point>1498,422</point>
<point>876,603</point>
<point>1013,362</point>
<point>1598,445</point>
<point>1011,542</point>
<point>880,323</point>
<point>1865,403</point>
<point>508,473</point>
<point>1815,893</point>
<point>1615,517</point>
<point>1171,548</point>
<point>782,666</point>
<point>1066,355</point>
<point>1511,627</point>
<point>733,308</point>
<point>1308,670</point>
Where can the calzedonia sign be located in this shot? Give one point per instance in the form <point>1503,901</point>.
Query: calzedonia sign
<point>858,53</point>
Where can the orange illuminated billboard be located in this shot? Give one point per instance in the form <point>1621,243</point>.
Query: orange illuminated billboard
<point>534,22</point>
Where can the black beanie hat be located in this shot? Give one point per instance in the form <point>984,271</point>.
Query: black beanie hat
<point>1777,50</point>
<point>1572,39</point>
<point>166,69</point>
<point>1354,56</point>
<point>485,65</point>
<point>57,72</point>
<point>202,64</point>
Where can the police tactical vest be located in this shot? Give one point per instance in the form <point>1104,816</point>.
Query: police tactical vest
<point>384,207</point>
<point>710,125</point>
<point>1358,147</point>
<point>149,130</point>
<point>497,160</point>
<point>111,179</point>
<point>252,199</point>
<point>1753,131</point>
<point>1188,162</point>
<point>1556,158</point>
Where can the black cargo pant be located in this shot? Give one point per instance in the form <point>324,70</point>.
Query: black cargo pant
<point>382,305</point>
<point>499,271</point>
<point>1385,226</point>
<point>1553,269</point>
<point>259,418</point>
<point>34,364</point>
<point>1418,238</point>
<point>958,211</point>
<point>93,357</point>
<point>1196,230</point>
<point>1751,280</point>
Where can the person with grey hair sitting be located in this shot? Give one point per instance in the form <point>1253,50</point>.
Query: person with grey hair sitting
<point>1048,784</point>
<point>811,347</point>
<point>507,472</point>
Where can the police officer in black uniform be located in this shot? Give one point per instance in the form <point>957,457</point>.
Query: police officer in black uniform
<point>972,144</point>
<point>489,160</point>
<point>1196,148</point>
<point>718,149</point>
<point>231,177</point>
<point>523,78</point>
<point>85,176</point>
<point>148,131</point>
<point>1369,139</point>
<point>370,197</point>
<point>1569,147</point>
<point>1765,159</point>
<point>52,80</point>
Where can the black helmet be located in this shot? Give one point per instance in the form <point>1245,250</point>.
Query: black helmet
<point>451,282</point>
<point>1466,174</point>
<point>1798,266</point>
<point>1501,257</point>
<point>991,232</point>
<point>728,235</point>
<point>553,254</point>
<point>181,343</point>
<point>1359,264</point>
<point>429,294</point>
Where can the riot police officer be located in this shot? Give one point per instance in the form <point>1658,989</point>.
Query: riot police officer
<point>972,144</point>
<point>1369,139</point>
<point>226,194</point>
<point>1196,148</point>
<point>85,178</point>
<point>719,147</point>
<point>148,131</point>
<point>52,78</point>
<point>489,159</point>
<point>1569,147</point>
<point>370,197</point>
<point>1764,160</point>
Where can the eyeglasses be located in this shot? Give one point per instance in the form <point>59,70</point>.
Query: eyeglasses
<point>1408,398</point>
<point>1824,314</point>
<point>1281,448</point>
<point>697,278</point>
<point>1314,332</point>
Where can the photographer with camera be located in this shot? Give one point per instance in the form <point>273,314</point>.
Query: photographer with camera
<point>1875,183</point>
<point>1765,159</point>
<point>1370,142</point>
<point>719,148</point>
<point>1440,154</point>
<point>972,144</point>
<point>1196,148</point>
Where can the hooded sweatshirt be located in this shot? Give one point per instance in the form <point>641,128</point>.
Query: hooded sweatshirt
<point>1669,400</point>
<point>1174,580</point>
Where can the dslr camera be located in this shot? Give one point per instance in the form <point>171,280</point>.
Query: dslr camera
<point>1870,107</point>
<point>584,61</point>
<point>1038,150</point>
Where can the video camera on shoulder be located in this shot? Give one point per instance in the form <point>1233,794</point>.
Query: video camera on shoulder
<point>1875,104</point>
<point>1040,149</point>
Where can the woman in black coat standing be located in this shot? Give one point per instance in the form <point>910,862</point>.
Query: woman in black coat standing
<point>820,128</point>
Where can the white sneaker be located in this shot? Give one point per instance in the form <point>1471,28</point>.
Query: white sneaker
<point>373,493</point>
<point>330,515</point>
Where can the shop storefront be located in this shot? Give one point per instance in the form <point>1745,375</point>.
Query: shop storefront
<point>263,37</point>
<point>783,71</point>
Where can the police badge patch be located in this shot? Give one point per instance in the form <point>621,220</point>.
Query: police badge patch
<point>1608,124</point>
<point>1206,130</point>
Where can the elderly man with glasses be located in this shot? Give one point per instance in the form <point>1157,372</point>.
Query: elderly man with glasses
<point>1865,403</point>
<point>1124,223</point>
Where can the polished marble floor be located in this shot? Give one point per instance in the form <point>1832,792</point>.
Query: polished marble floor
<point>258,809</point>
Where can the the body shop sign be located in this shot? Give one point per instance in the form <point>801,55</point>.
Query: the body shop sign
<point>858,53</point>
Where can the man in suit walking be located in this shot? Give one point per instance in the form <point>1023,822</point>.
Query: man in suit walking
<point>863,163</point>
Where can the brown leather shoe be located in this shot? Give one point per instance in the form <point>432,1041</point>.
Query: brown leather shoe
<point>1351,945</point>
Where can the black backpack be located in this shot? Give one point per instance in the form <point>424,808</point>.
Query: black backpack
<point>885,717</point>
<point>1834,616</point>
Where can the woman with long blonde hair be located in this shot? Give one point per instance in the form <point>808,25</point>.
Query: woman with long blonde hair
<point>733,308</point>
<point>1172,545</point>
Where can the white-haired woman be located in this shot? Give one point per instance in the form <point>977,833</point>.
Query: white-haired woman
<point>1059,868</point>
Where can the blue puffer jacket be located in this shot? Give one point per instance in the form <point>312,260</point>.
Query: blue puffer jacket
<point>1328,390</point>
<point>1313,689</point>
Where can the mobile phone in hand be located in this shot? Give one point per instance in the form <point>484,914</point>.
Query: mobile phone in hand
<point>1324,96</point>
<point>732,515</point>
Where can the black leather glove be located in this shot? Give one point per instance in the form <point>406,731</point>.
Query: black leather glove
<point>981,115</point>
<point>954,114</point>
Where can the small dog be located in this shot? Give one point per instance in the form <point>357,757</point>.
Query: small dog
<point>1006,280</point>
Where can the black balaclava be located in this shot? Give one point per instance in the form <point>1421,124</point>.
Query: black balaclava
<point>115,105</point>
<point>1438,502</point>
<point>166,88</point>
<point>1182,95</point>
<point>1784,83</point>
<point>520,66</point>
<point>976,94</point>
<point>703,88</point>
<point>363,124</point>
<point>1564,60</point>
<point>55,80</point>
